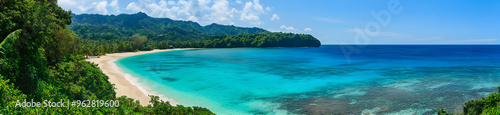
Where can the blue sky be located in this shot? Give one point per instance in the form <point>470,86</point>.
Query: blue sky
<point>331,21</point>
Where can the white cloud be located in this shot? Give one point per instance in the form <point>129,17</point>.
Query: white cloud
<point>195,8</point>
<point>101,7</point>
<point>258,7</point>
<point>171,2</point>
<point>83,9</point>
<point>115,6</point>
<point>163,8</point>
<point>234,10</point>
<point>97,7</point>
<point>247,12</point>
<point>290,28</point>
<point>307,29</point>
<point>251,11</point>
<point>275,17</point>
<point>133,6</point>
<point>221,12</point>
<point>66,2</point>
<point>201,11</point>
<point>249,17</point>
<point>182,2</point>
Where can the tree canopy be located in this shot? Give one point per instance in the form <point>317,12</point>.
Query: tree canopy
<point>116,33</point>
<point>41,59</point>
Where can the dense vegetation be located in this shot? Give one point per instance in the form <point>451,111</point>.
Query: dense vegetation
<point>263,40</point>
<point>141,22</point>
<point>109,33</point>
<point>139,42</point>
<point>40,60</point>
<point>95,26</point>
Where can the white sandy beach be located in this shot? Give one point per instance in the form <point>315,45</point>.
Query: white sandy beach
<point>125,83</point>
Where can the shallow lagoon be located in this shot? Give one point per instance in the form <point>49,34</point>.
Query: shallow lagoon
<point>382,79</point>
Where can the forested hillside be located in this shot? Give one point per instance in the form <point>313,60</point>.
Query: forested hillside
<point>263,40</point>
<point>133,32</point>
<point>142,21</point>
<point>125,25</point>
<point>39,61</point>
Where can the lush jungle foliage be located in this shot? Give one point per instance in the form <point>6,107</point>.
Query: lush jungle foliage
<point>139,42</point>
<point>142,23</point>
<point>263,40</point>
<point>40,60</point>
<point>95,26</point>
<point>109,33</point>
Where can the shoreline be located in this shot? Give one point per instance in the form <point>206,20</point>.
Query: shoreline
<point>125,83</point>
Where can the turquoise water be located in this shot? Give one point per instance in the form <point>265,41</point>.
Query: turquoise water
<point>382,79</point>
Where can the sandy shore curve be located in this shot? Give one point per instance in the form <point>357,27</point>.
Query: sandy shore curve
<point>126,84</point>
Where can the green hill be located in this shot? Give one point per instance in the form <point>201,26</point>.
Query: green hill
<point>163,28</point>
<point>118,30</point>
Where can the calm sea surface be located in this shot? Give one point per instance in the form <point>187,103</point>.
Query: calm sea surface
<point>381,79</point>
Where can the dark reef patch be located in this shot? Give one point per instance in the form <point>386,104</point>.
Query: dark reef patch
<point>169,79</point>
<point>404,91</point>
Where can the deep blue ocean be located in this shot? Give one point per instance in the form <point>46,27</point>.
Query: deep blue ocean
<point>381,79</point>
